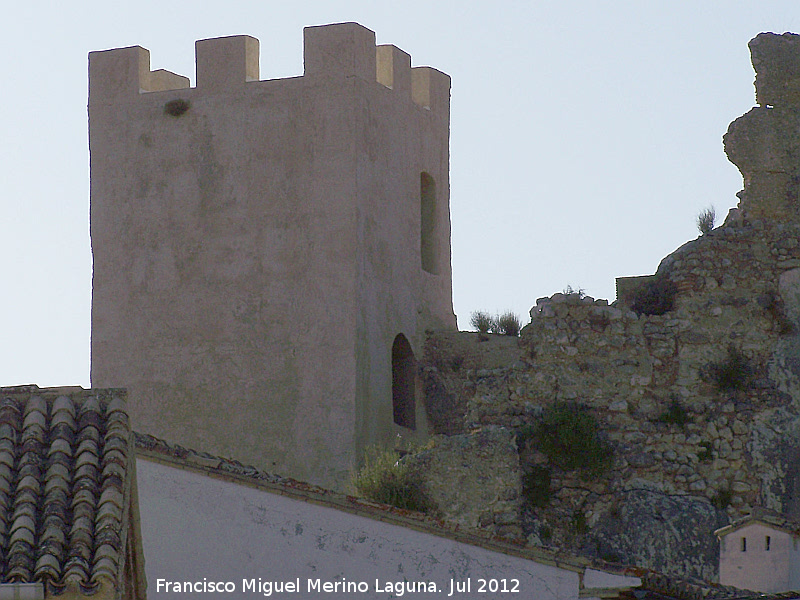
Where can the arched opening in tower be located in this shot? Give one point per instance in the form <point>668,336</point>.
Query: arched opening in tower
<point>403,383</point>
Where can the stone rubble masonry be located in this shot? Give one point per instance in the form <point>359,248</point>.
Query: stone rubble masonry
<point>764,143</point>
<point>258,245</point>
<point>486,498</point>
<point>737,289</point>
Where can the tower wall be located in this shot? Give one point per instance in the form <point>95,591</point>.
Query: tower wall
<point>257,244</point>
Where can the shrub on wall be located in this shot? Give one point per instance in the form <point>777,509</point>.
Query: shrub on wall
<point>386,478</point>
<point>506,324</point>
<point>706,455</point>
<point>706,220</point>
<point>175,108</point>
<point>578,522</point>
<point>483,322</point>
<point>722,499</point>
<point>569,435</point>
<point>509,324</point>
<point>776,308</point>
<point>733,373</point>
<point>536,485</point>
<point>655,297</point>
<point>676,414</point>
<point>574,290</point>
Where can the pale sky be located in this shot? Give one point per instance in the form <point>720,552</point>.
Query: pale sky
<point>585,138</point>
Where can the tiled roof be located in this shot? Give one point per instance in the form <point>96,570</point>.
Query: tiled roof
<point>65,477</point>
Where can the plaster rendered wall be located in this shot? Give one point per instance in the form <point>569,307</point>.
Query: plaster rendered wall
<point>757,568</point>
<point>196,527</point>
<point>256,254</point>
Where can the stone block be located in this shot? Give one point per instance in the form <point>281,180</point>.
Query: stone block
<point>776,60</point>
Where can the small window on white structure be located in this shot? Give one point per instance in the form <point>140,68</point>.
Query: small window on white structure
<point>744,544</point>
<point>766,544</point>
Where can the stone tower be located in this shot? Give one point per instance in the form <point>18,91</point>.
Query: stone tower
<point>268,254</point>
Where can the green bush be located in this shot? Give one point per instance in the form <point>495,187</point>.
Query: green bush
<point>545,533</point>
<point>676,414</point>
<point>536,485</point>
<point>706,455</point>
<point>655,297</point>
<point>482,322</point>
<point>569,435</point>
<point>732,374</point>
<point>509,324</point>
<point>578,522</point>
<point>386,478</point>
<point>567,291</point>
<point>706,220</point>
<point>774,305</point>
<point>506,324</point>
<point>722,499</point>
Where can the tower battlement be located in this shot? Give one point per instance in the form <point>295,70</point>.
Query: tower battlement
<point>331,52</point>
<point>279,244</point>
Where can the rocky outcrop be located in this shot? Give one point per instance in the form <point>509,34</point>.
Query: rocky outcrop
<point>693,373</point>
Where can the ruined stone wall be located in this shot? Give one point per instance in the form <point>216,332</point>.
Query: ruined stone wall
<point>717,454</point>
<point>488,497</point>
<point>692,374</point>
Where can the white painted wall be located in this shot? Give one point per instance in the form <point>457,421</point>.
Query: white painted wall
<point>756,568</point>
<point>197,527</point>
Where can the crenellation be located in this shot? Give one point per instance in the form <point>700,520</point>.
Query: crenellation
<point>125,72</point>
<point>226,62</point>
<point>340,50</point>
<point>331,52</point>
<point>394,68</point>
<point>118,73</point>
<point>162,80</point>
<point>430,88</point>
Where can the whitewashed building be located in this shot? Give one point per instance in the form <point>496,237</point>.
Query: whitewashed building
<point>760,552</point>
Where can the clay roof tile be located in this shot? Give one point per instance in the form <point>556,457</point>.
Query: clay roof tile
<point>35,413</point>
<point>21,534</point>
<point>47,567</point>
<point>60,446</point>
<point>29,482</point>
<point>10,413</point>
<point>64,404</point>
<point>63,417</point>
<point>63,466</point>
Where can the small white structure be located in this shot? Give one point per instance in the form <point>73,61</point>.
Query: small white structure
<point>760,552</point>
